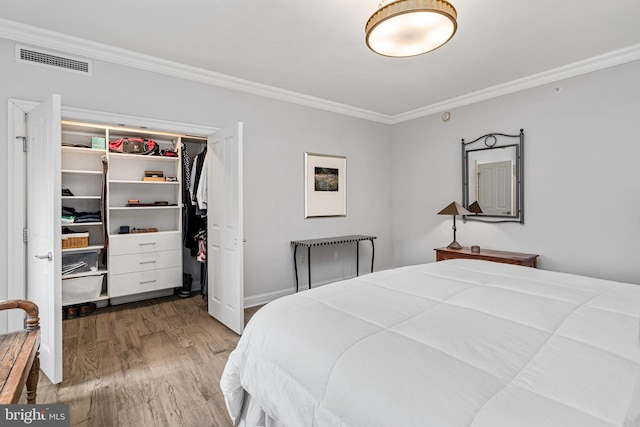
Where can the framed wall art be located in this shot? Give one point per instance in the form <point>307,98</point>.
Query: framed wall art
<point>325,185</point>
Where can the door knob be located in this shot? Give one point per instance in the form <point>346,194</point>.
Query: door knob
<point>48,256</point>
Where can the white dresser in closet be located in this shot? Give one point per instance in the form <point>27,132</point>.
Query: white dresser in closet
<point>144,262</point>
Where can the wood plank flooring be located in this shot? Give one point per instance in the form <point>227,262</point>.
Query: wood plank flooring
<point>149,363</point>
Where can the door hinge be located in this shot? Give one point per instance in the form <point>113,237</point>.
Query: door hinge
<point>25,234</point>
<point>24,142</point>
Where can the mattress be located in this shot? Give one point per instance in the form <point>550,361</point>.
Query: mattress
<point>453,343</point>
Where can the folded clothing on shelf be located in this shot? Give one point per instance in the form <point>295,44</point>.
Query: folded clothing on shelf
<point>88,217</point>
<point>69,215</point>
<point>68,219</point>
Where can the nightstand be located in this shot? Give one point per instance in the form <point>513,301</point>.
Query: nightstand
<point>527,260</point>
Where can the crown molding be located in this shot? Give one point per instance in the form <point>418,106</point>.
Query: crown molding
<point>68,44</point>
<point>72,45</point>
<point>610,59</point>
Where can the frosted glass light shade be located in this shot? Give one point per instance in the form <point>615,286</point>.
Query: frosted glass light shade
<point>411,27</point>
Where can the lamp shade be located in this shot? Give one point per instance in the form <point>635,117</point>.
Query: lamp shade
<point>475,207</point>
<point>454,208</point>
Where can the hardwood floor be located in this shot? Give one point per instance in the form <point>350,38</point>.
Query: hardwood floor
<point>150,363</point>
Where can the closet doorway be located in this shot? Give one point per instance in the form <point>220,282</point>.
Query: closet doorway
<point>194,226</point>
<point>225,266</point>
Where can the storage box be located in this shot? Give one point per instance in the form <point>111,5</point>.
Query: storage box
<point>81,288</point>
<point>79,262</point>
<point>98,142</point>
<point>75,240</point>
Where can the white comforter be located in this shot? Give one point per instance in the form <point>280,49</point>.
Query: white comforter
<point>452,343</point>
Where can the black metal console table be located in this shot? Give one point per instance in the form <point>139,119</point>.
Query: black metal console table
<point>357,238</point>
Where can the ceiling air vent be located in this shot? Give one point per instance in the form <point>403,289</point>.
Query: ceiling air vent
<point>52,60</point>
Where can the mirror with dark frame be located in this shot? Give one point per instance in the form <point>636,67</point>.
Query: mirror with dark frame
<point>493,178</point>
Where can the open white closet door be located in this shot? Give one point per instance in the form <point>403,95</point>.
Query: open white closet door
<point>224,228</point>
<point>43,222</point>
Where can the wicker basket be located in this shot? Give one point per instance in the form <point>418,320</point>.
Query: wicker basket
<point>75,240</point>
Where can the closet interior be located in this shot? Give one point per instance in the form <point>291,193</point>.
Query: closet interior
<point>133,221</point>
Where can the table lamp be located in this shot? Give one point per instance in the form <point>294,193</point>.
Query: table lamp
<point>454,209</point>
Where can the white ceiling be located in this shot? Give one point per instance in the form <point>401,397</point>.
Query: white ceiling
<point>317,48</point>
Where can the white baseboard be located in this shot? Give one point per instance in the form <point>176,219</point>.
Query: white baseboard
<point>261,299</point>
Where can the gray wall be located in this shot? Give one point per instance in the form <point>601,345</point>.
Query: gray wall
<point>582,186</point>
<point>276,135</point>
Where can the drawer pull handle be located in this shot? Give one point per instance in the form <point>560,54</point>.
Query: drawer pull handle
<point>147,262</point>
<point>146,281</point>
<point>148,243</point>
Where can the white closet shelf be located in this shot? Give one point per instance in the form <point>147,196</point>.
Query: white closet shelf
<point>92,248</point>
<point>101,272</point>
<point>81,172</point>
<point>136,236</point>
<point>81,197</point>
<point>102,297</point>
<point>123,181</point>
<point>81,224</point>
<point>83,150</point>
<point>143,156</point>
<point>126,208</point>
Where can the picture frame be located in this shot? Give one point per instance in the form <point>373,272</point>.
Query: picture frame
<point>325,192</point>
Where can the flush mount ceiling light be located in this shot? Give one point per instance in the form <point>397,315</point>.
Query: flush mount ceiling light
<point>410,27</point>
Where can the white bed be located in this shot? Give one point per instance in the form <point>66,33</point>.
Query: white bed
<point>452,343</point>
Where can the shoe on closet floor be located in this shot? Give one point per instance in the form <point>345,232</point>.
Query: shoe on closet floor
<point>87,309</point>
<point>72,312</point>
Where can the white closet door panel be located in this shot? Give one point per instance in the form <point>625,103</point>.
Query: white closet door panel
<point>44,263</point>
<point>225,257</point>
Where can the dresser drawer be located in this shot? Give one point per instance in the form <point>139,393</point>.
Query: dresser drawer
<point>132,263</point>
<point>144,281</point>
<point>144,242</point>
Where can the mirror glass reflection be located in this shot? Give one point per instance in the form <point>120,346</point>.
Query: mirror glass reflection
<point>492,178</point>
